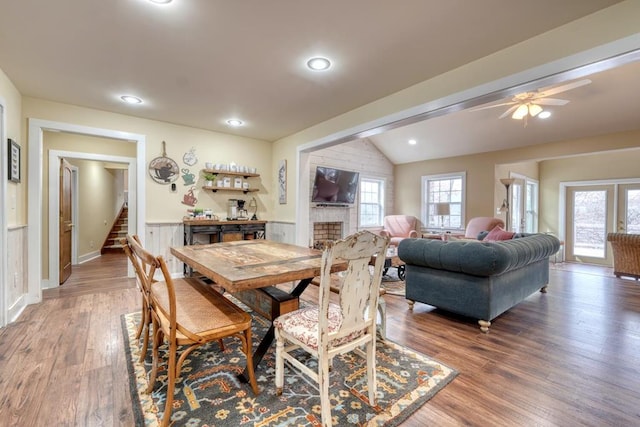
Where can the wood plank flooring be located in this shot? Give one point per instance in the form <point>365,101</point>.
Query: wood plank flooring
<point>564,358</point>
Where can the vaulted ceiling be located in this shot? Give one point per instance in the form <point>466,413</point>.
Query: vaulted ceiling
<point>200,62</point>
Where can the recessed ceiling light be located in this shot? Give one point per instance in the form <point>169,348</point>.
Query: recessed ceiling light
<point>318,63</point>
<point>161,1</point>
<point>129,99</point>
<point>235,122</point>
<point>412,142</point>
<point>545,114</point>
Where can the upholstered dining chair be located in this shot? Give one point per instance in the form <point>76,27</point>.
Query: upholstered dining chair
<point>197,316</point>
<point>398,227</point>
<point>329,329</point>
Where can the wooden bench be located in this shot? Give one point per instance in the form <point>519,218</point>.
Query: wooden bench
<point>269,302</point>
<point>336,284</point>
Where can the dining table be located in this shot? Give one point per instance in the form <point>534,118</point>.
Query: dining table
<point>252,264</point>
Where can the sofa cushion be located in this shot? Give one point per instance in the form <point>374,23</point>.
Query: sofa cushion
<point>498,233</point>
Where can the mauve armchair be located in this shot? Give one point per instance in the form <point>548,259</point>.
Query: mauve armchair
<point>481,223</point>
<point>398,227</point>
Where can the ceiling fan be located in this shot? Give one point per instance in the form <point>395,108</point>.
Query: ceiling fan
<point>528,104</point>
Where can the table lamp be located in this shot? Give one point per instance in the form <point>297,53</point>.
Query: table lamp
<point>442,209</point>
<point>253,204</point>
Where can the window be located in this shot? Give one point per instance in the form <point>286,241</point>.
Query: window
<point>371,202</point>
<point>450,189</point>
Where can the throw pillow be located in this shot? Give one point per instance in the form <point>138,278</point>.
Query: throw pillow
<point>498,234</point>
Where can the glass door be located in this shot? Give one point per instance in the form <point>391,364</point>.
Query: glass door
<point>629,208</point>
<point>590,216</point>
<point>524,205</point>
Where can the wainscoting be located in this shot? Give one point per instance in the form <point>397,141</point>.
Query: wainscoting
<point>17,286</point>
<point>159,237</point>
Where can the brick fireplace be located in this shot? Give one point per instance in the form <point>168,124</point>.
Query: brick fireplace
<point>323,231</point>
<point>343,216</point>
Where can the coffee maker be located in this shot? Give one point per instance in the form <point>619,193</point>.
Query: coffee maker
<point>236,210</point>
<point>232,210</point>
<point>242,212</point>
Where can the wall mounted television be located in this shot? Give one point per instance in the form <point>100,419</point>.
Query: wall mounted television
<point>334,186</point>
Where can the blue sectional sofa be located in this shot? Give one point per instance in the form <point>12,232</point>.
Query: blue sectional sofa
<point>476,279</point>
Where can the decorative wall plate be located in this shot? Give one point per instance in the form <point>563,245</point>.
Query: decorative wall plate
<point>163,170</point>
<point>190,158</point>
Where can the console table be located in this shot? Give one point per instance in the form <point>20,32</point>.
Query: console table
<point>221,231</point>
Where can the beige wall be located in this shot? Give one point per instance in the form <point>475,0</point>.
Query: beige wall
<point>162,205</point>
<point>485,192</point>
<point>622,164</point>
<point>16,192</point>
<point>96,193</point>
<point>567,43</point>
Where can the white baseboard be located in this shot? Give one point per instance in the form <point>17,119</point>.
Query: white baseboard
<point>16,309</point>
<point>88,257</point>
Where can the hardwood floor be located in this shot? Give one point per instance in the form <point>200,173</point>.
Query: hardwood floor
<point>567,357</point>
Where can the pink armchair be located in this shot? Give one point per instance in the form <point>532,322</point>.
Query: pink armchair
<point>398,227</point>
<point>481,223</point>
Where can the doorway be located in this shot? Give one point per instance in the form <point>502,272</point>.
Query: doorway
<point>136,187</point>
<point>592,210</point>
<point>55,157</point>
<point>524,204</point>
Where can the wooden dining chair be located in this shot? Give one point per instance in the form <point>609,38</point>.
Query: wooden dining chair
<point>143,271</point>
<point>187,314</point>
<point>329,329</point>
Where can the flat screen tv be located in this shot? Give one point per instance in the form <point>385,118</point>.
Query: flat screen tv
<point>334,186</point>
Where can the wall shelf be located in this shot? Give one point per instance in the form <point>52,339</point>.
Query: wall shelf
<point>229,173</point>
<point>244,190</point>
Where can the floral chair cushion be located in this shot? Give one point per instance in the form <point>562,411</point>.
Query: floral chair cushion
<point>302,325</point>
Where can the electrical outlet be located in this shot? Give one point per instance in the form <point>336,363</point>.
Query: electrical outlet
<point>91,244</point>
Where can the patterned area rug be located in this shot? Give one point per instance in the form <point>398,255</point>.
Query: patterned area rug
<point>392,283</point>
<point>209,394</point>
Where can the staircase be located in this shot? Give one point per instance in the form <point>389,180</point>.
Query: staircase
<point>118,230</point>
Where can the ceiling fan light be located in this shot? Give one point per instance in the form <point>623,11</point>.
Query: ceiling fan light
<point>534,109</point>
<point>520,112</point>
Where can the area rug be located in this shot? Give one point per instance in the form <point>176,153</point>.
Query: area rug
<point>392,283</point>
<point>209,393</point>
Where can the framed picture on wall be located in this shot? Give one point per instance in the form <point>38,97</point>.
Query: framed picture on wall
<point>14,161</point>
<point>282,182</point>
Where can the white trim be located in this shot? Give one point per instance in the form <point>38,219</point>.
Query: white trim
<point>4,234</point>
<point>88,257</point>
<point>75,217</point>
<point>578,65</point>
<point>16,309</point>
<point>34,241</point>
<point>54,200</point>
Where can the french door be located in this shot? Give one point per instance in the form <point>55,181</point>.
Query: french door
<point>593,211</point>
<point>629,208</point>
<point>524,205</point>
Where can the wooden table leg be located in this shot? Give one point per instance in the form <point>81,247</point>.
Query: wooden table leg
<point>267,340</point>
